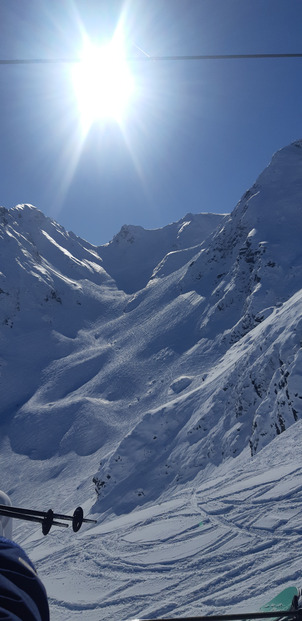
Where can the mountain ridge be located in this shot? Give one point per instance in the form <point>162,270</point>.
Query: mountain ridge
<point>134,252</point>
<point>200,300</point>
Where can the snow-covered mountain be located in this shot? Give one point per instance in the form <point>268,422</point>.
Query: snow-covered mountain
<point>162,370</point>
<point>134,252</point>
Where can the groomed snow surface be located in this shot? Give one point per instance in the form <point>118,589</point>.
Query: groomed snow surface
<point>157,382</point>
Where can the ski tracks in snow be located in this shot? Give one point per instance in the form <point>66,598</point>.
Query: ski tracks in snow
<point>228,543</point>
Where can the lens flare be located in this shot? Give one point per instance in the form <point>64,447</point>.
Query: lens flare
<point>103,84</point>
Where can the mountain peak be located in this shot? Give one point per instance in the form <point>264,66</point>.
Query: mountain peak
<point>273,205</point>
<point>284,168</point>
<point>27,211</point>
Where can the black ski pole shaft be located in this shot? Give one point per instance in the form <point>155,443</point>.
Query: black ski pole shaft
<point>35,512</point>
<point>272,614</point>
<point>60,516</point>
<point>21,511</point>
<point>29,517</point>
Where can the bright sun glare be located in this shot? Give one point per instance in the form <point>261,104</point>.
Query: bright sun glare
<point>103,84</point>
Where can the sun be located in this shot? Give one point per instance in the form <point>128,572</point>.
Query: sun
<point>103,84</point>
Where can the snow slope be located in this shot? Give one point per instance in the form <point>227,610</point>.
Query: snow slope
<point>227,542</point>
<point>162,370</point>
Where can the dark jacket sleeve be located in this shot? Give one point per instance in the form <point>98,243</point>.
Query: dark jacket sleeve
<point>22,594</point>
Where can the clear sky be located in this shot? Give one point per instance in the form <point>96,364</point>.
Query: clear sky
<point>193,136</point>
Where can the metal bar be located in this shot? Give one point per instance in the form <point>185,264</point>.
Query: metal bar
<point>273,614</point>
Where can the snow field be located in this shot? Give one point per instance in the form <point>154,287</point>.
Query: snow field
<point>229,542</point>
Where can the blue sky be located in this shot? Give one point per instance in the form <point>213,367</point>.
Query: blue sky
<point>196,134</point>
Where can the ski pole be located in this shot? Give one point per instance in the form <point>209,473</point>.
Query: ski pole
<point>48,517</point>
<point>47,521</point>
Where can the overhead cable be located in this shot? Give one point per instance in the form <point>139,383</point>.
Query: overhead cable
<point>146,58</point>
